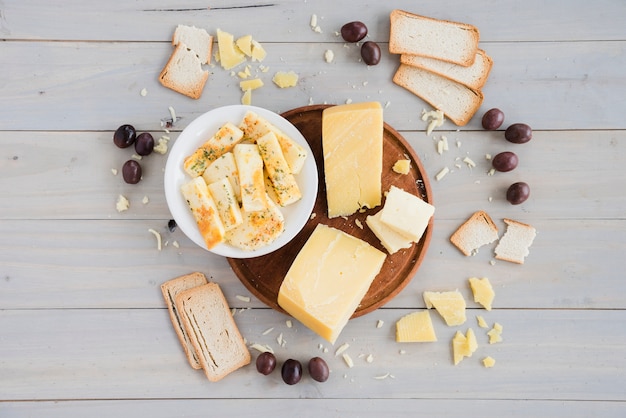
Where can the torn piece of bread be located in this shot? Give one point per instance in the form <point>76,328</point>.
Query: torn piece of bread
<point>183,72</point>
<point>170,290</point>
<point>475,76</point>
<point>435,38</point>
<point>457,101</point>
<point>196,39</point>
<point>212,330</point>
<point>477,231</point>
<point>514,244</point>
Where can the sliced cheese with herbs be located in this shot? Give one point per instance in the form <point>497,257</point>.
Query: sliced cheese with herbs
<point>229,55</point>
<point>406,213</point>
<point>224,167</point>
<point>450,305</point>
<point>352,143</point>
<point>258,229</point>
<point>283,182</point>
<point>483,292</point>
<point>415,327</point>
<point>222,142</point>
<point>226,203</point>
<point>204,211</point>
<point>255,126</point>
<point>250,169</point>
<point>328,279</point>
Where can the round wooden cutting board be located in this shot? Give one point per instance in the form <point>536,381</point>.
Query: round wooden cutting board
<point>263,275</point>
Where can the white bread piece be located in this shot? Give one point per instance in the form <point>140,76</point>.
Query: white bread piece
<point>475,76</point>
<point>170,290</point>
<point>477,231</point>
<point>514,244</point>
<point>457,101</point>
<point>196,39</point>
<point>183,73</point>
<point>435,38</point>
<point>212,330</point>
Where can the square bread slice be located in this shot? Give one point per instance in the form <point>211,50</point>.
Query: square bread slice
<point>212,330</point>
<point>435,38</point>
<point>477,231</point>
<point>183,72</point>
<point>170,290</point>
<point>475,76</point>
<point>457,101</point>
<point>514,244</point>
<point>196,39</point>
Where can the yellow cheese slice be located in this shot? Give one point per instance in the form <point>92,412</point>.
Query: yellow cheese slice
<point>258,229</point>
<point>258,52</point>
<point>328,279</point>
<point>415,327</point>
<point>406,213</point>
<point>463,345</point>
<point>250,169</point>
<point>352,143</point>
<point>285,79</point>
<point>198,197</point>
<point>391,240</point>
<point>222,142</point>
<point>229,55</point>
<point>226,203</point>
<point>244,44</point>
<point>450,305</point>
<point>283,182</point>
<point>253,84</point>
<point>224,166</point>
<point>482,290</point>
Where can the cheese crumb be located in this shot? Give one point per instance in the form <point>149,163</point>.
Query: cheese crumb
<point>122,204</point>
<point>145,200</point>
<point>157,236</point>
<point>402,166</point>
<point>143,92</point>
<point>369,358</point>
<point>262,348</point>
<point>434,118</point>
<point>285,79</point>
<point>348,360</point>
<point>442,173</point>
<point>380,323</point>
<point>289,323</point>
<point>470,163</point>
<point>267,331</point>
<point>172,114</point>
<point>481,321</point>
<point>329,56</point>
<point>243,298</point>
<point>114,171</point>
<point>495,334</point>
<point>489,362</point>
<point>342,348</point>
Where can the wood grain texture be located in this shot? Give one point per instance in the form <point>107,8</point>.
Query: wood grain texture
<point>83,327</point>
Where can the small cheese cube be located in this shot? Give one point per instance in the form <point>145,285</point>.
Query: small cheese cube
<point>391,240</point>
<point>482,290</point>
<point>250,169</point>
<point>450,305</point>
<point>226,203</point>
<point>406,213</point>
<point>415,327</point>
<point>197,195</point>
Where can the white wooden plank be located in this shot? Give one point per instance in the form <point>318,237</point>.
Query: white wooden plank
<point>96,86</point>
<point>115,264</point>
<point>190,408</point>
<point>134,354</point>
<point>572,175</point>
<point>154,20</point>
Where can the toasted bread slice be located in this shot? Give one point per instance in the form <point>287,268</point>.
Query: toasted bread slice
<point>434,38</point>
<point>514,244</point>
<point>477,231</point>
<point>197,39</point>
<point>475,76</point>
<point>212,330</point>
<point>183,72</point>
<point>170,290</point>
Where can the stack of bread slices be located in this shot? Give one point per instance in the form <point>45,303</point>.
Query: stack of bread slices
<point>440,62</point>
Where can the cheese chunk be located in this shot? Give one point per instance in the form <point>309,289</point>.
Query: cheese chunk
<point>253,84</point>
<point>450,305</point>
<point>283,182</point>
<point>352,143</point>
<point>402,166</point>
<point>495,334</point>
<point>230,55</point>
<point>250,169</point>
<point>222,142</point>
<point>463,345</point>
<point>406,213</point>
<point>197,195</point>
<point>489,362</point>
<point>224,166</point>
<point>328,279</point>
<point>258,52</point>
<point>285,79</point>
<point>254,127</point>
<point>244,44</point>
<point>258,229</point>
<point>226,203</point>
<point>415,327</point>
<point>482,290</point>
<point>391,240</point>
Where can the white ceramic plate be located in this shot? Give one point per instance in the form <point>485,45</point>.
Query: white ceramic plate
<point>195,134</point>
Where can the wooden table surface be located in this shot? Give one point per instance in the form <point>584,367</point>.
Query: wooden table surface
<point>83,327</point>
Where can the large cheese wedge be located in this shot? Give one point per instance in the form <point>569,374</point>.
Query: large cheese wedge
<point>352,143</point>
<point>328,279</point>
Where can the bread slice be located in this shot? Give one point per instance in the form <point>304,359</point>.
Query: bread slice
<point>434,38</point>
<point>475,76</point>
<point>457,101</point>
<point>477,231</point>
<point>196,39</point>
<point>183,72</point>
<point>170,290</point>
<point>212,330</point>
<point>514,244</point>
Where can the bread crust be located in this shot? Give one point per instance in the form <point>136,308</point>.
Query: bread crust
<point>170,290</point>
<point>168,76</point>
<point>460,236</point>
<point>523,251</point>
<point>468,33</point>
